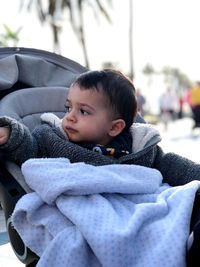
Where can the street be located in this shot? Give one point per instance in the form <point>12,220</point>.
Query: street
<point>181,139</point>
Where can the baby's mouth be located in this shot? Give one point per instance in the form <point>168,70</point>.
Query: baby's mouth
<point>70,130</point>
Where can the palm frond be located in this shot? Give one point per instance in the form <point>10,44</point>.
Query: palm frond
<point>103,11</point>
<point>41,13</point>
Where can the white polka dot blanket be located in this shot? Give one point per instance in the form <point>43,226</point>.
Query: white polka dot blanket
<point>114,215</point>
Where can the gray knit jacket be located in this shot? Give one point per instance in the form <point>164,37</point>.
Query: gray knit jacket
<point>47,141</point>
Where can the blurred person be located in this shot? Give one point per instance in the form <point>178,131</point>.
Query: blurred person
<point>195,101</point>
<point>140,101</point>
<point>195,94</point>
<point>168,105</point>
<point>187,98</point>
<point>180,111</point>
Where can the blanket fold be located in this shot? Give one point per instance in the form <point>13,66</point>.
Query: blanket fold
<point>113,215</point>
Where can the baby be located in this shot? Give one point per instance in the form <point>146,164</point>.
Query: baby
<point>98,114</point>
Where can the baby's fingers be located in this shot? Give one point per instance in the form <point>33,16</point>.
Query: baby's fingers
<point>4,135</point>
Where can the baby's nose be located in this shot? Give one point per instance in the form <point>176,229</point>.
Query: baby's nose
<point>71,116</point>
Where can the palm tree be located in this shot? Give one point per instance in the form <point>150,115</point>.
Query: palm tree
<point>9,37</point>
<point>148,70</point>
<point>55,11</point>
<point>171,74</point>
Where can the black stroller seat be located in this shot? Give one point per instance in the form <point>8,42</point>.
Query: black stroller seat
<point>31,82</point>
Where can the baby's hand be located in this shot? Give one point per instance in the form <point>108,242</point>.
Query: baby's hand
<point>4,135</point>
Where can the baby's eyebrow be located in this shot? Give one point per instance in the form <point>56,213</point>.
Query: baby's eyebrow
<point>81,104</point>
<point>86,105</point>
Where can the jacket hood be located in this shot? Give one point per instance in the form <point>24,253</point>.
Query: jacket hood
<point>144,135</point>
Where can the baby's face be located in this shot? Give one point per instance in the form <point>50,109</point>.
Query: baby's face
<point>87,118</point>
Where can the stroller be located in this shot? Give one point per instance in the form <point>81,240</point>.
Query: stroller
<point>32,82</point>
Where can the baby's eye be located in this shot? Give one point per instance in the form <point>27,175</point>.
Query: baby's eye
<point>67,108</point>
<point>84,112</point>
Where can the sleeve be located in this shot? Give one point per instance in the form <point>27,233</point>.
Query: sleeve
<point>21,144</point>
<point>176,170</point>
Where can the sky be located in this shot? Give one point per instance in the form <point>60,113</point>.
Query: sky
<point>165,33</point>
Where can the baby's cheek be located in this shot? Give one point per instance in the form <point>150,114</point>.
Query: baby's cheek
<point>88,132</point>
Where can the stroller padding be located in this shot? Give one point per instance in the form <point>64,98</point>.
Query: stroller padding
<point>35,72</point>
<point>26,105</point>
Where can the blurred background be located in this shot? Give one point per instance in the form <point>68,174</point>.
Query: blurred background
<point>155,42</point>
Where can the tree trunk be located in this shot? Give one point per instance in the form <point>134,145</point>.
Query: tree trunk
<point>82,34</point>
<point>56,40</point>
<point>131,39</point>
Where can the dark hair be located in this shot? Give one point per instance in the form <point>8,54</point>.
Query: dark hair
<point>117,87</point>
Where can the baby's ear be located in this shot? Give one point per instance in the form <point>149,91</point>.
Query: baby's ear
<point>117,127</point>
